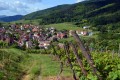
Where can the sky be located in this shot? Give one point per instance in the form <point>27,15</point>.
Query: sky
<point>23,7</point>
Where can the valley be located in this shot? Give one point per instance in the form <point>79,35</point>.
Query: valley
<point>79,41</point>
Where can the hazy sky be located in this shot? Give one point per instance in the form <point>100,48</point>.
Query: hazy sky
<point>15,7</point>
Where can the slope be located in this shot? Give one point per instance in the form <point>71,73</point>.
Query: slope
<point>89,9</point>
<point>45,13</point>
<point>11,18</point>
<point>16,64</point>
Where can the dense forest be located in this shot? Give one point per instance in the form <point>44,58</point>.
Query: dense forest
<point>10,18</point>
<point>97,12</point>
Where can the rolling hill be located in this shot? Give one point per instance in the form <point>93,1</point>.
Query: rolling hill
<point>46,12</point>
<point>1,16</point>
<point>10,18</point>
<point>98,12</point>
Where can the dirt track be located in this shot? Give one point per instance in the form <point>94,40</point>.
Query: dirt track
<point>58,78</point>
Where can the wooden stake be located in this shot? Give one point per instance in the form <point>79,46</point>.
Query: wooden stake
<point>86,54</point>
<point>66,47</point>
<point>78,59</point>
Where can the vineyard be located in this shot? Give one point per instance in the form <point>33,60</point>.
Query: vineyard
<point>63,40</point>
<point>85,64</point>
<point>82,62</point>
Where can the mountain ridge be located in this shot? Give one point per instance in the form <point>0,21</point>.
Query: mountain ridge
<point>2,16</point>
<point>11,18</point>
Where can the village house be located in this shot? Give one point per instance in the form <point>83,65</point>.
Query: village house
<point>1,36</point>
<point>2,31</point>
<point>52,29</point>
<point>86,27</point>
<point>36,36</point>
<point>28,31</point>
<point>29,35</point>
<point>70,32</point>
<point>82,32</point>
<point>61,35</point>
<point>26,26</point>
<point>44,44</point>
<point>21,27</point>
<point>20,43</point>
<point>54,38</point>
<point>35,29</point>
<point>28,44</point>
<point>13,27</point>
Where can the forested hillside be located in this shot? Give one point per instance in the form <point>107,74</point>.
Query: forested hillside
<point>10,18</point>
<point>98,12</point>
<point>46,12</point>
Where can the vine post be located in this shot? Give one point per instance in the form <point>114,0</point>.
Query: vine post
<point>78,59</point>
<point>86,54</point>
<point>66,47</point>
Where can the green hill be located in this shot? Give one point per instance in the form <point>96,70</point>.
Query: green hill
<point>46,12</point>
<point>98,12</point>
<point>11,18</point>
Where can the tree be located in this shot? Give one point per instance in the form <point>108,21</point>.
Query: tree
<point>1,24</point>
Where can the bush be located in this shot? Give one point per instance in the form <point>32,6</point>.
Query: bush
<point>3,44</point>
<point>11,68</point>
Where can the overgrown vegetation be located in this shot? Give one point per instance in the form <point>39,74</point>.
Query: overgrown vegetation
<point>107,63</point>
<point>21,65</point>
<point>10,68</point>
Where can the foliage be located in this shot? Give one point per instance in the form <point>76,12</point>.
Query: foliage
<point>45,12</point>
<point>3,44</point>
<point>10,68</point>
<point>94,11</point>
<point>1,24</point>
<point>107,64</point>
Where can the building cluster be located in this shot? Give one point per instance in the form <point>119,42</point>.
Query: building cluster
<point>30,36</point>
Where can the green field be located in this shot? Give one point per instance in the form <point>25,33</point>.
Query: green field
<point>41,66</point>
<point>66,26</point>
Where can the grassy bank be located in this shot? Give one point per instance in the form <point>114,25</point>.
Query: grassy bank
<point>10,64</point>
<point>42,65</point>
<point>16,64</point>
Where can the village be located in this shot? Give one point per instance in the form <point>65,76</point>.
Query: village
<point>32,36</point>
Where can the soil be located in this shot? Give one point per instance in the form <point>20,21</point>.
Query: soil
<point>58,78</point>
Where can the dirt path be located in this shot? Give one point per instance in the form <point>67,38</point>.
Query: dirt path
<point>58,78</point>
<point>27,76</point>
<point>49,69</point>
